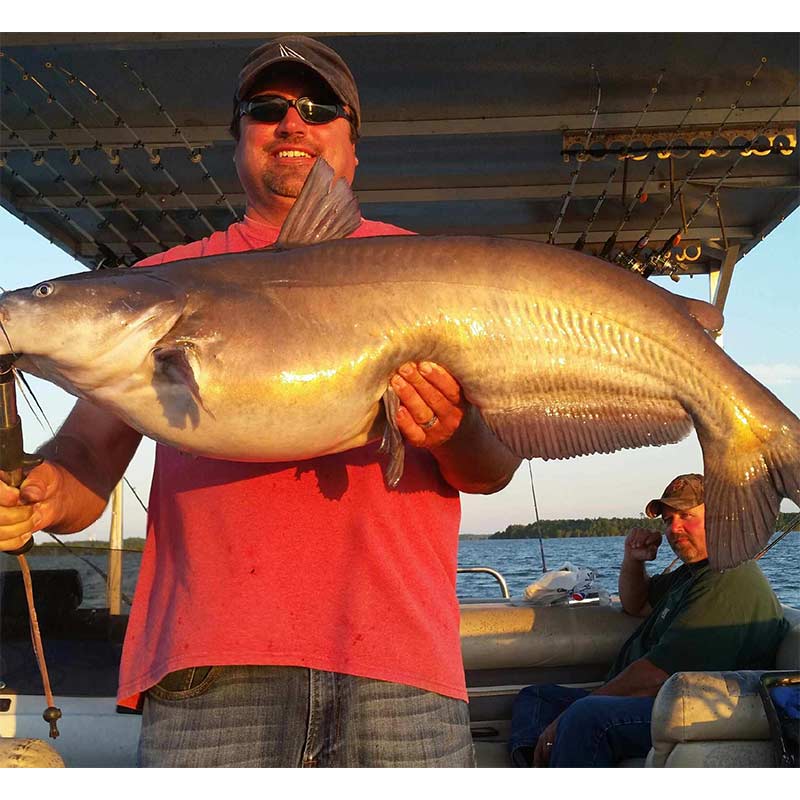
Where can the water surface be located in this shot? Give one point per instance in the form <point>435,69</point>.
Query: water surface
<point>518,560</point>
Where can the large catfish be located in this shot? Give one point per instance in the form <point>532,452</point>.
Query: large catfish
<point>285,354</point>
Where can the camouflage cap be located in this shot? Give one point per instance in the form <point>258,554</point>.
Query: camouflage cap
<point>683,493</point>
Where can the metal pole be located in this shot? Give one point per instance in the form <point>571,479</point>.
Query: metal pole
<point>719,282</point>
<point>114,581</point>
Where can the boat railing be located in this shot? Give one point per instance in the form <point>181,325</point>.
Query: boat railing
<point>494,573</point>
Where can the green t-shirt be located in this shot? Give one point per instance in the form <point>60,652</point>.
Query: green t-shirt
<point>704,620</point>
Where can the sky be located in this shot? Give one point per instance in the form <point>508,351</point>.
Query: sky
<point>761,334</point>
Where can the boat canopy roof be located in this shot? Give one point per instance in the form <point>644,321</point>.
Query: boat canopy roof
<point>115,146</point>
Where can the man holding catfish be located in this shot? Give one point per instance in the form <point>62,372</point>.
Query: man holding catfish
<point>353,657</point>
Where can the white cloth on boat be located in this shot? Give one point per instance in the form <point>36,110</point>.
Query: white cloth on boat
<point>565,584</point>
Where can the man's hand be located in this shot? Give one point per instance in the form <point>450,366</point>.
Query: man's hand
<point>642,544</point>
<point>432,406</point>
<point>29,508</point>
<point>434,415</point>
<point>544,746</point>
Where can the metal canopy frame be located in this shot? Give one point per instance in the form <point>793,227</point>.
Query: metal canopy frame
<point>115,146</point>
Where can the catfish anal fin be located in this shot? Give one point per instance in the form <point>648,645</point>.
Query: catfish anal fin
<point>553,427</point>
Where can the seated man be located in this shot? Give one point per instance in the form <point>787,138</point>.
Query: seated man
<point>696,620</point>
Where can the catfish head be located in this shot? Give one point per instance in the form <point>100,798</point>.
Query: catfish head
<point>91,329</point>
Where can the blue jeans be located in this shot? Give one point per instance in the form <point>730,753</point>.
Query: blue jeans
<point>263,716</point>
<point>594,730</point>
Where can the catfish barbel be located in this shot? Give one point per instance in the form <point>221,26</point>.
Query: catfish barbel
<point>285,354</point>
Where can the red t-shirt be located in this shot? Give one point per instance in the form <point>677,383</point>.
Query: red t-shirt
<point>313,564</point>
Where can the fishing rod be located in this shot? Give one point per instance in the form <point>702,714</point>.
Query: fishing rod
<point>71,548</point>
<point>660,260</point>
<point>14,461</point>
<point>623,155</point>
<point>787,529</point>
<point>536,518</point>
<point>632,257</point>
<point>195,154</point>
<point>713,191</point>
<point>101,247</point>
<point>83,202</point>
<point>76,160</point>
<point>612,240</point>
<point>568,196</point>
<point>16,465</point>
<point>653,92</point>
<point>155,157</point>
<point>630,260</point>
<point>24,384</point>
<point>26,390</point>
<point>111,153</point>
<point>581,242</point>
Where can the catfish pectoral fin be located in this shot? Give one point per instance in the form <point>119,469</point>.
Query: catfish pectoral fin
<point>173,368</point>
<point>392,442</point>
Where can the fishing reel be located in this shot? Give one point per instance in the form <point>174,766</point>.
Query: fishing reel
<point>662,264</point>
<point>629,262</point>
<point>656,263</point>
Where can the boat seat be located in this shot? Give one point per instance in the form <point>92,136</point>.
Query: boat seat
<point>717,719</point>
<point>699,718</point>
<point>510,644</point>
<point>28,753</point>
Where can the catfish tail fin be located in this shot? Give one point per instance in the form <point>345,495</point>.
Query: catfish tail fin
<point>747,473</point>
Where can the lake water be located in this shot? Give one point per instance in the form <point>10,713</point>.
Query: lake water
<point>520,563</point>
<point>518,560</point>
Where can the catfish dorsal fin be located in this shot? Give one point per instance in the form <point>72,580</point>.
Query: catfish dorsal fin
<point>325,209</point>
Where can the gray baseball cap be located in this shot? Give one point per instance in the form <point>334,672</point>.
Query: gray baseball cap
<point>306,52</point>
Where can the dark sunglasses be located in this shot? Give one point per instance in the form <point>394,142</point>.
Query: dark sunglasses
<point>273,108</point>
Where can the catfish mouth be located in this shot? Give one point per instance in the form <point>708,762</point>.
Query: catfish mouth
<point>8,354</point>
<point>7,349</point>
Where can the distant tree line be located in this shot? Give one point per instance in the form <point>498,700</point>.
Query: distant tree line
<point>601,526</point>
<point>48,546</point>
<point>567,528</point>
<point>550,529</point>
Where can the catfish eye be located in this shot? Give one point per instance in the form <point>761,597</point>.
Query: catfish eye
<point>43,290</point>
